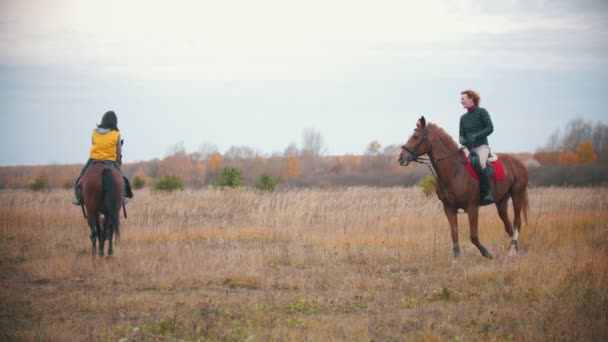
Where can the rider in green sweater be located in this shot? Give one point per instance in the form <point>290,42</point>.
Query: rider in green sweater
<point>475,126</point>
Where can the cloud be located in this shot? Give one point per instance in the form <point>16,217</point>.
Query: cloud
<point>210,42</point>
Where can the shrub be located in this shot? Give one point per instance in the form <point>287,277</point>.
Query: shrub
<point>37,184</point>
<point>168,183</point>
<point>266,182</point>
<point>138,182</point>
<point>428,184</point>
<point>230,177</point>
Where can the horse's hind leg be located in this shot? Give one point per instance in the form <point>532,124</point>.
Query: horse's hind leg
<point>517,207</point>
<point>93,240</point>
<point>503,212</point>
<point>473,216</point>
<point>92,225</point>
<point>110,238</point>
<point>102,240</point>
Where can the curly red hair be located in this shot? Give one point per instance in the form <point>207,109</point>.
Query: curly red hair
<point>472,95</point>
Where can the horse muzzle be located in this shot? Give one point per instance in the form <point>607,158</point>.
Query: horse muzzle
<point>405,161</point>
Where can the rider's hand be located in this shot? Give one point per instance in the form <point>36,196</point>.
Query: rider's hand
<point>462,140</point>
<point>471,139</point>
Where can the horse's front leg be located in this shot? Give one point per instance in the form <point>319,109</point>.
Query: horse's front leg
<point>452,216</point>
<point>473,213</point>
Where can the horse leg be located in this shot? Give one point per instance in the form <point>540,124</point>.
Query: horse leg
<point>102,237</point>
<point>92,221</point>
<point>452,216</point>
<point>473,213</point>
<point>110,237</point>
<point>517,206</point>
<point>503,212</point>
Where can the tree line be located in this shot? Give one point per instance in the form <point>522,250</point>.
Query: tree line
<point>582,145</point>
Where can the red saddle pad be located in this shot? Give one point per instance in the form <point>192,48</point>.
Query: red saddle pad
<point>499,170</point>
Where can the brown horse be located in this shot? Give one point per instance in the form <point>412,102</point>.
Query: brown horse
<point>457,189</point>
<point>102,193</point>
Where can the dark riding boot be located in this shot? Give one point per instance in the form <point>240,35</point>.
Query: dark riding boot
<point>485,188</point>
<point>77,200</point>
<point>128,191</point>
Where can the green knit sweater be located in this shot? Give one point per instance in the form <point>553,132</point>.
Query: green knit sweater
<point>475,121</point>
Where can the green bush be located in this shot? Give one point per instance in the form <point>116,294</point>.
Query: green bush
<point>37,184</point>
<point>138,183</point>
<point>168,183</point>
<point>266,182</point>
<point>428,184</point>
<point>230,177</point>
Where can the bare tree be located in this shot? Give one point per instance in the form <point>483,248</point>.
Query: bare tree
<point>577,131</point>
<point>373,148</point>
<point>291,150</point>
<point>177,149</point>
<point>554,142</point>
<point>391,150</point>
<point>206,149</point>
<point>239,152</point>
<point>313,142</point>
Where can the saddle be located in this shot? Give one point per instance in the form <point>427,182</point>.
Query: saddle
<point>496,169</point>
<point>105,162</point>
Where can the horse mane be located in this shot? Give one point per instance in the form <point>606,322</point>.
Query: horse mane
<point>443,136</point>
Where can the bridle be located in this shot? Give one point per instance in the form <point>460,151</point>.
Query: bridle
<point>413,155</point>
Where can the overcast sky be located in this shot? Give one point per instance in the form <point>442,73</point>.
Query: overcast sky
<point>257,73</point>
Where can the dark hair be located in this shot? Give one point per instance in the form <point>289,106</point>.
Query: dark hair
<point>109,121</point>
<point>472,95</point>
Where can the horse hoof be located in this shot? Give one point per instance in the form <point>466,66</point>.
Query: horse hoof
<point>512,253</point>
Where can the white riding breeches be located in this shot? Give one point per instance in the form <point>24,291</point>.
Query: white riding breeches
<point>483,152</point>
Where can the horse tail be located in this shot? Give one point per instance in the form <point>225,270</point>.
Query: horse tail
<point>110,199</point>
<point>525,204</point>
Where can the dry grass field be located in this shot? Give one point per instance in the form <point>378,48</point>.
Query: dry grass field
<point>355,264</point>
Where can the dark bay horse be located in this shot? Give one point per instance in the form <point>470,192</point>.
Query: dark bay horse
<point>457,189</point>
<point>102,193</point>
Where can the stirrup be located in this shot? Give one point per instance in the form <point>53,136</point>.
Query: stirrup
<point>486,200</point>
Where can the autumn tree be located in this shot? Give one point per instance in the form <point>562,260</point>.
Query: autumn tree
<point>568,158</point>
<point>182,165</point>
<point>292,167</point>
<point>576,133</point>
<point>586,153</point>
<point>214,162</point>
<point>292,149</point>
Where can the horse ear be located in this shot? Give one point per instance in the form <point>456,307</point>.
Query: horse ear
<point>421,123</point>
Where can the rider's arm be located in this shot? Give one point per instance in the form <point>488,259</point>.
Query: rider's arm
<point>488,127</point>
<point>118,151</point>
<point>461,136</point>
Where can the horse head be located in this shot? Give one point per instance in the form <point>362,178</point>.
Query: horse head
<point>417,145</point>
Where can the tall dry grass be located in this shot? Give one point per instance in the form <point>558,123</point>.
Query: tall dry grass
<point>313,264</point>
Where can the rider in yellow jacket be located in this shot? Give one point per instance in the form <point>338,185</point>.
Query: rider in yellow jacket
<point>107,147</point>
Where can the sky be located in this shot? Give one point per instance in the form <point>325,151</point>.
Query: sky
<point>259,73</point>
